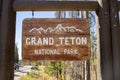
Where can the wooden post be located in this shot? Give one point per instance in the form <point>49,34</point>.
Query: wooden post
<point>119,5</point>
<point>115,30</point>
<point>105,40</point>
<point>0,8</point>
<point>55,5</point>
<point>7,40</point>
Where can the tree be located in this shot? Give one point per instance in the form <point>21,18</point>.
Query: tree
<point>16,56</point>
<point>55,69</point>
<point>77,70</point>
<point>98,49</point>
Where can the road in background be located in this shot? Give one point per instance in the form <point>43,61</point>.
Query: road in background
<point>21,72</point>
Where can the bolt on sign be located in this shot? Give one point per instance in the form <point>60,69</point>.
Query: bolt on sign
<point>55,39</point>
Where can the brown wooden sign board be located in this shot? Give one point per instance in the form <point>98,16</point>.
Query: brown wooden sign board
<point>55,39</point>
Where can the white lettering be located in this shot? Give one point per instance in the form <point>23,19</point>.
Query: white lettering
<point>72,39</point>
<point>45,41</point>
<point>27,41</point>
<point>61,40</point>
<point>47,52</point>
<point>71,51</point>
<point>33,41</point>
<point>51,41</point>
<point>78,41</point>
<point>84,40</point>
<point>66,41</point>
<point>39,42</point>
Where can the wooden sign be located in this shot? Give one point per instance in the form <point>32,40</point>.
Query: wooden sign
<point>55,39</point>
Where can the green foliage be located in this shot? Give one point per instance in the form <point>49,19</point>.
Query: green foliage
<point>34,74</point>
<point>53,68</point>
<point>34,63</point>
<point>16,56</point>
<point>27,78</point>
<point>94,61</point>
<point>37,74</point>
<point>50,67</point>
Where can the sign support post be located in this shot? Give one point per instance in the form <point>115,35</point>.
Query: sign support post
<point>115,31</point>
<point>105,40</point>
<point>7,40</point>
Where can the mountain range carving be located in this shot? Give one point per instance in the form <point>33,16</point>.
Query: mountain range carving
<point>58,29</point>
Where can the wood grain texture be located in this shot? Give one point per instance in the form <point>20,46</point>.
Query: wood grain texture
<point>119,5</point>
<point>105,40</point>
<point>38,5</point>
<point>7,40</point>
<point>59,25</point>
<point>115,30</point>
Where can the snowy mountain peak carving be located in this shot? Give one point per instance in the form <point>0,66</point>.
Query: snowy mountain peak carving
<point>58,29</point>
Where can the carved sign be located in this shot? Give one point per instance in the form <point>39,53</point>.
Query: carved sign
<point>55,39</point>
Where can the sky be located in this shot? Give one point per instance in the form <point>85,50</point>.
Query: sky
<point>23,15</point>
